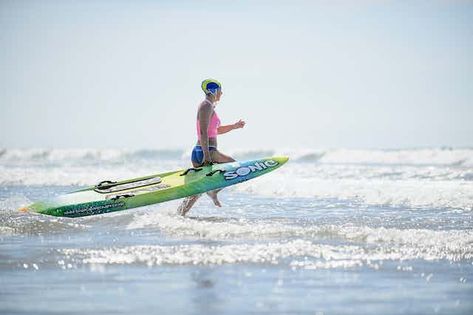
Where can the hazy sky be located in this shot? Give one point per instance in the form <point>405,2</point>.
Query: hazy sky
<point>303,74</point>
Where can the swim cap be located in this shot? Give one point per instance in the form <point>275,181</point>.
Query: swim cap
<point>211,86</point>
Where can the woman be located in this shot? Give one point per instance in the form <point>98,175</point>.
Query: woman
<point>208,127</point>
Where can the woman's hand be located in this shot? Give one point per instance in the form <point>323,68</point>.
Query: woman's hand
<point>239,124</point>
<point>224,129</point>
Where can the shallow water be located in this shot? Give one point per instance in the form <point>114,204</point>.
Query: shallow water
<point>336,232</point>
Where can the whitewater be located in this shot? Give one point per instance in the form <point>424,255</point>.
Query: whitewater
<point>338,231</point>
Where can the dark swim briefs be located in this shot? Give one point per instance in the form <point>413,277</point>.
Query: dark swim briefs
<point>198,155</point>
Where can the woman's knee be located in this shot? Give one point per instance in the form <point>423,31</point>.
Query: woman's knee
<point>221,158</point>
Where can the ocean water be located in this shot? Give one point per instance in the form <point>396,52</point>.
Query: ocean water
<point>331,232</point>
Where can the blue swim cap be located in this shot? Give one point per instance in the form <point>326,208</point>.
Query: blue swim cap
<point>211,86</point>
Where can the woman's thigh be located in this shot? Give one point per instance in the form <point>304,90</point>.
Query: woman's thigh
<point>219,157</point>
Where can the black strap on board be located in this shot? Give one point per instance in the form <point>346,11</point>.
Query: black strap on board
<point>214,172</point>
<point>195,169</point>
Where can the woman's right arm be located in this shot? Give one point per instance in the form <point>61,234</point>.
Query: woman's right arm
<point>204,119</point>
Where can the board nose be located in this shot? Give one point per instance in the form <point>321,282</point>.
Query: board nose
<point>281,159</point>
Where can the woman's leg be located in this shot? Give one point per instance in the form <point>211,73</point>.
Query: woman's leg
<point>188,202</point>
<point>218,157</point>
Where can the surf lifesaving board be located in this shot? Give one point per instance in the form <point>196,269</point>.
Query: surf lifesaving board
<point>110,196</point>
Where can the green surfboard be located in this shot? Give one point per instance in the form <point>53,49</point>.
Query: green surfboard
<point>111,196</point>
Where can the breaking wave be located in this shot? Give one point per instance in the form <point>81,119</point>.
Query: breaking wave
<point>267,242</point>
<point>407,193</point>
<point>416,178</point>
<point>434,156</point>
<point>83,156</point>
<point>300,253</point>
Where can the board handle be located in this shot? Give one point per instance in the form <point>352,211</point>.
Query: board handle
<point>195,169</point>
<point>105,184</point>
<point>213,172</point>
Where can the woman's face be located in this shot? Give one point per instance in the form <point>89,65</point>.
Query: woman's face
<point>219,95</point>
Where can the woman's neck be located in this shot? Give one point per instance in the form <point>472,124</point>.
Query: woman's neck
<point>210,99</point>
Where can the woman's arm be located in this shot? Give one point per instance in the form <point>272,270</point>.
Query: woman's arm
<point>227,128</point>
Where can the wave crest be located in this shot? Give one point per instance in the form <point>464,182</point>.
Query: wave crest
<point>433,156</point>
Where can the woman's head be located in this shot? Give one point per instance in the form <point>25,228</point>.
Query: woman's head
<point>212,88</point>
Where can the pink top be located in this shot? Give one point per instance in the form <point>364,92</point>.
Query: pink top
<point>212,128</point>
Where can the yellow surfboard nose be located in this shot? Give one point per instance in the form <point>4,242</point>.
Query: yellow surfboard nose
<point>280,159</point>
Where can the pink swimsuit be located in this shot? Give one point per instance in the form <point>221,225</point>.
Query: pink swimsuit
<point>214,123</point>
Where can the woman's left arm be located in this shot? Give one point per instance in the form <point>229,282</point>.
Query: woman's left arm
<point>224,129</point>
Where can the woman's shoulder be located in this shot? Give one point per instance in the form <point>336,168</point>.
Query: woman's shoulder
<point>206,106</point>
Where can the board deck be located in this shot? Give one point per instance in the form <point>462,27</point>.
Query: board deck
<point>110,196</point>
